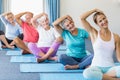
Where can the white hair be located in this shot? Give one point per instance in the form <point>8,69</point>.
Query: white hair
<point>42,18</point>
<point>62,23</point>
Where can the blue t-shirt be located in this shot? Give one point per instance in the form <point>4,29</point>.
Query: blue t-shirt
<point>75,43</point>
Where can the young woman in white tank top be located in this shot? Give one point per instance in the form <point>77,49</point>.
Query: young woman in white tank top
<point>104,43</point>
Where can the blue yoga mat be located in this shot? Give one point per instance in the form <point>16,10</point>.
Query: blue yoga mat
<point>18,57</point>
<point>64,76</point>
<point>28,58</point>
<point>45,68</point>
<point>23,58</point>
<point>14,53</point>
<point>61,76</point>
<point>117,63</point>
<point>8,49</point>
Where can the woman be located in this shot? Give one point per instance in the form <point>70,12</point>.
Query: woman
<point>48,41</point>
<point>75,57</point>
<point>104,43</point>
<point>13,34</point>
<point>29,32</point>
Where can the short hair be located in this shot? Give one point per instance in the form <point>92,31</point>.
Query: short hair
<point>41,18</point>
<point>29,13</point>
<point>9,13</point>
<point>62,23</point>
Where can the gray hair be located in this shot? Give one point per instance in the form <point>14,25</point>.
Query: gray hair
<point>62,23</point>
<point>40,19</point>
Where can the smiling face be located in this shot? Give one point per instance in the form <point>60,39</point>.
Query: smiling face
<point>68,24</point>
<point>10,17</point>
<point>44,21</point>
<point>28,17</point>
<point>101,20</point>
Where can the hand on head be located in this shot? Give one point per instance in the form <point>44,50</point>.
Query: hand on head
<point>29,12</point>
<point>98,10</point>
<point>69,18</point>
<point>44,14</point>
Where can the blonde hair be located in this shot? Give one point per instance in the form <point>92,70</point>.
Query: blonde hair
<point>9,13</point>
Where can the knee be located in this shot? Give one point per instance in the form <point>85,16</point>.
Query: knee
<point>91,57</point>
<point>89,73</point>
<point>62,58</point>
<point>20,36</point>
<point>16,40</point>
<point>31,45</point>
<point>55,45</point>
<point>117,70</point>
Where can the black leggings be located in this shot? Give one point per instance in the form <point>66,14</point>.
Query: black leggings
<point>2,33</point>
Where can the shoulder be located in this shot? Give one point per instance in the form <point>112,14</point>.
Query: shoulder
<point>82,31</point>
<point>116,37</point>
<point>65,32</point>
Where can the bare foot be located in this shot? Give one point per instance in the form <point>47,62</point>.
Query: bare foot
<point>25,52</point>
<point>87,66</point>
<point>55,58</point>
<point>42,59</point>
<point>70,67</point>
<point>115,78</point>
<point>12,43</point>
<point>3,46</point>
<point>11,47</point>
<point>39,60</point>
<point>118,78</point>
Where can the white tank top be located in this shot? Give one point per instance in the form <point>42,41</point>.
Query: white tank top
<point>103,52</point>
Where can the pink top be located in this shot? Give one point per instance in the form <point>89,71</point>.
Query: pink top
<point>30,33</point>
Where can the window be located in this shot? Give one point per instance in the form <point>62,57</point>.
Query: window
<point>35,6</point>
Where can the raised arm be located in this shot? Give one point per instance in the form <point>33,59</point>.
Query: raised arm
<point>18,17</point>
<point>4,16</point>
<point>57,23</point>
<point>117,47</point>
<point>35,20</point>
<point>84,21</point>
<point>92,31</point>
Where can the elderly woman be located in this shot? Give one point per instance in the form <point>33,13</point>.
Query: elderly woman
<point>76,56</point>
<point>48,41</point>
<point>13,34</point>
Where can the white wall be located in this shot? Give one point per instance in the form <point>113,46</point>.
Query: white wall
<point>76,7</point>
<point>16,6</point>
<point>35,7</point>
